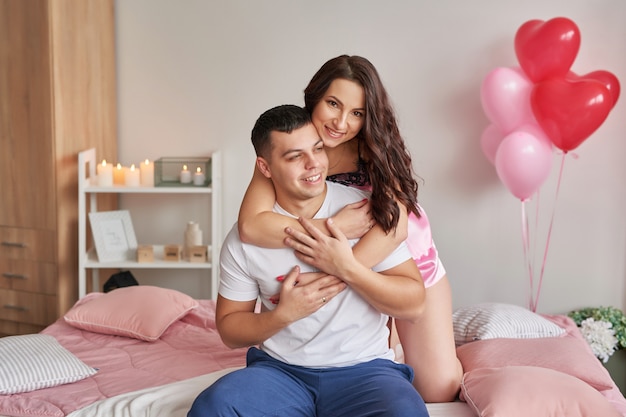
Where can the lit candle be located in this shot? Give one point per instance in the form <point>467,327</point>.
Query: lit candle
<point>147,173</point>
<point>105,174</point>
<point>118,175</point>
<point>185,175</point>
<point>198,177</point>
<point>131,177</point>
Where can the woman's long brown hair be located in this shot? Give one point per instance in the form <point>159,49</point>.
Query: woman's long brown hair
<point>387,159</point>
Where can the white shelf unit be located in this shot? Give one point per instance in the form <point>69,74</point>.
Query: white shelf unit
<point>88,191</point>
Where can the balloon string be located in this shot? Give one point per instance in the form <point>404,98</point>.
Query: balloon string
<point>536,229</point>
<point>537,216</point>
<point>525,243</point>
<point>545,253</point>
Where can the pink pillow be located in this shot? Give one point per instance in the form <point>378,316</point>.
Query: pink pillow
<point>532,391</point>
<point>141,312</point>
<point>564,354</point>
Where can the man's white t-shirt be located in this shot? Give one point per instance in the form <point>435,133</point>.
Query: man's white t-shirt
<point>345,331</point>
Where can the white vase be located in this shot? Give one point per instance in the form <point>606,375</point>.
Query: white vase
<point>193,237</point>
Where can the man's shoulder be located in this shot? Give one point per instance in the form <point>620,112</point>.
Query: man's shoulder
<point>232,237</point>
<point>341,189</point>
<point>337,197</point>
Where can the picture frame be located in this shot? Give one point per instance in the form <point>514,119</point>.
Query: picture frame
<point>113,235</point>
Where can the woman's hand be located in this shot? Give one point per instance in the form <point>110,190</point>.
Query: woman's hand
<point>331,254</point>
<point>355,219</point>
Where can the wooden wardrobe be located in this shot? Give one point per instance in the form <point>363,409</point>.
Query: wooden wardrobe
<point>57,97</point>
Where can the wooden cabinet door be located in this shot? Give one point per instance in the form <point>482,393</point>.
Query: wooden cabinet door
<point>26,143</point>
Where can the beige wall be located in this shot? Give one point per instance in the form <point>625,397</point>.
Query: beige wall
<point>194,75</point>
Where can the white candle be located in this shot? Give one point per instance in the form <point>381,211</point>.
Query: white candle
<point>105,174</point>
<point>198,177</point>
<point>118,175</point>
<point>131,177</point>
<point>185,175</point>
<point>147,173</point>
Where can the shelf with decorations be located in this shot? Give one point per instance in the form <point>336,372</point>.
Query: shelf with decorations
<point>88,190</point>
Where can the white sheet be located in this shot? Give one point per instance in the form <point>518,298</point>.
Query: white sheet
<point>171,400</point>
<point>175,399</point>
<point>455,409</point>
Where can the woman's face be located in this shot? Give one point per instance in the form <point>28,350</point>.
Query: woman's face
<point>340,114</point>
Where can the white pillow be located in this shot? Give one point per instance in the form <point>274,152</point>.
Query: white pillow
<point>497,320</point>
<point>35,361</point>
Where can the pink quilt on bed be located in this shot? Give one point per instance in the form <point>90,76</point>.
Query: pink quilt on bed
<point>190,347</point>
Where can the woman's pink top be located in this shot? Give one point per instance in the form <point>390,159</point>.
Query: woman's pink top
<point>419,238</point>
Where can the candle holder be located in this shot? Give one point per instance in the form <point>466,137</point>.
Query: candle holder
<point>167,171</point>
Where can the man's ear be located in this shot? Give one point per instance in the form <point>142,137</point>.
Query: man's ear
<point>263,166</point>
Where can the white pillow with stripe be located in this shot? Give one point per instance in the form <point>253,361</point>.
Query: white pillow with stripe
<point>497,320</point>
<point>35,361</point>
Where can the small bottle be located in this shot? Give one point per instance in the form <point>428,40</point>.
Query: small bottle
<point>193,237</point>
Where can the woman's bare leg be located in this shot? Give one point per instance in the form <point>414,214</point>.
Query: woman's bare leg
<point>429,348</point>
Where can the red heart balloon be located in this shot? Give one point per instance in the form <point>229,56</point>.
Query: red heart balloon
<point>609,80</point>
<point>570,111</point>
<point>547,49</point>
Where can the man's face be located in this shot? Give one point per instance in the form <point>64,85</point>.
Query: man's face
<point>297,166</point>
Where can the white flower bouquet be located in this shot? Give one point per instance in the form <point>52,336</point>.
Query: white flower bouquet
<point>604,328</point>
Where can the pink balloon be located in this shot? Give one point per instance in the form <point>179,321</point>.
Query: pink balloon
<point>492,137</point>
<point>536,130</point>
<point>523,163</point>
<point>490,140</point>
<point>505,96</point>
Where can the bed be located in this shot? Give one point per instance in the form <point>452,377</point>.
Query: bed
<point>148,351</point>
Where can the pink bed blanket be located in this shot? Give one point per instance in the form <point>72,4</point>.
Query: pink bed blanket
<point>190,347</point>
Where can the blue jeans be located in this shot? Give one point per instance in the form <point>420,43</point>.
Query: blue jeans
<point>268,387</point>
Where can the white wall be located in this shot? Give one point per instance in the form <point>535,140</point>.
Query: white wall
<point>195,74</point>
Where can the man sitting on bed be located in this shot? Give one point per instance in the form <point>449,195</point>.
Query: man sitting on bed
<point>323,347</point>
